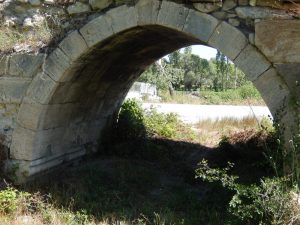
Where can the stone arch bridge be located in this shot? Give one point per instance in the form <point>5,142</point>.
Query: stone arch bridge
<point>55,105</point>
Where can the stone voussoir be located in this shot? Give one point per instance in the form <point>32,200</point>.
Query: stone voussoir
<point>252,62</point>
<point>268,82</point>
<point>147,11</point>
<point>200,25</point>
<point>229,40</point>
<point>172,15</point>
<point>96,30</point>
<point>73,45</point>
<point>57,66</point>
<point>122,18</point>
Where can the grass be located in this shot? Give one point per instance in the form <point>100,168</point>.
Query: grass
<point>210,132</point>
<point>245,95</point>
<point>42,34</point>
<point>142,181</point>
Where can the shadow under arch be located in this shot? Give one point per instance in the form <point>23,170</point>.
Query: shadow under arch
<point>85,79</point>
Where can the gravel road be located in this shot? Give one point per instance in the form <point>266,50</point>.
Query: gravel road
<point>194,113</point>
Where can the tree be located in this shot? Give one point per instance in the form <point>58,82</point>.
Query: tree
<point>221,67</point>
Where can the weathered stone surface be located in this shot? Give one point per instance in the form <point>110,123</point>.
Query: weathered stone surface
<point>290,73</point>
<point>41,117</point>
<point>243,2</point>
<point>25,65</point>
<point>279,40</point>
<point>41,89</point>
<point>32,145</point>
<point>96,31</point>
<point>78,7</point>
<point>200,25</point>
<point>207,7</point>
<point>261,13</point>
<point>122,18</point>
<point>221,15</point>
<point>172,15</point>
<point>229,4</point>
<point>100,4</point>
<point>12,90</point>
<point>4,65</point>
<point>73,45</point>
<point>234,22</point>
<point>252,62</point>
<point>272,88</point>
<point>228,40</point>
<point>57,65</point>
<point>147,11</point>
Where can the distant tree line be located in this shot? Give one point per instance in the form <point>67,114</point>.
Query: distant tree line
<point>184,71</point>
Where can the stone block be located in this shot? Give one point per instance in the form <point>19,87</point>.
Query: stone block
<point>279,40</point>
<point>100,4</point>
<point>122,18</point>
<point>252,62</point>
<point>200,25</point>
<point>31,145</point>
<point>172,15</point>
<point>73,45</point>
<point>147,11</point>
<point>57,66</point>
<point>249,12</point>
<point>96,31</point>
<point>228,39</point>
<point>290,73</point>
<point>207,7</point>
<point>272,88</point>
<point>78,7</point>
<point>12,90</point>
<point>4,65</point>
<point>40,117</point>
<point>41,89</point>
<point>25,65</point>
<point>229,4</point>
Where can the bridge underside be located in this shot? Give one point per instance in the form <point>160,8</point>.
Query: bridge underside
<point>77,91</point>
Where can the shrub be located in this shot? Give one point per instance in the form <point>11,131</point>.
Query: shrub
<point>248,91</point>
<point>269,202</point>
<point>131,121</point>
<point>160,124</point>
<point>8,201</point>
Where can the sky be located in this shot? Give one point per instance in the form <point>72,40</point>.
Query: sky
<point>204,51</point>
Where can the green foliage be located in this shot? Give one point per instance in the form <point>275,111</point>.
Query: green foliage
<point>135,123</point>
<point>160,124</point>
<point>248,91</point>
<point>269,202</point>
<point>131,121</point>
<point>182,70</point>
<point>8,200</point>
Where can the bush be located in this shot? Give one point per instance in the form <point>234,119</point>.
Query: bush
<point>269,202</point>
<point>248,91</point>
<point>134,123</point>
<point>160,124</point>
<point>131,121</point>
